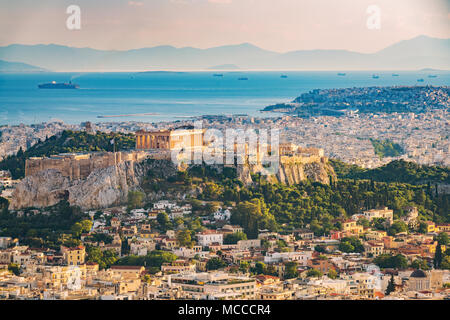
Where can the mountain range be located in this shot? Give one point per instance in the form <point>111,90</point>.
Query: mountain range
<point>417,53</point>
<point>9,66</point>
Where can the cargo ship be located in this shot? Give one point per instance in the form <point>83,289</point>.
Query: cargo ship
<point>54,85</point>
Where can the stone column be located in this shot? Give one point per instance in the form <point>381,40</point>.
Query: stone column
<point>147,141</point>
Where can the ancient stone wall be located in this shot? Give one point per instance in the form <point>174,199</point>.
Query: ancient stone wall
<point>80,166</point>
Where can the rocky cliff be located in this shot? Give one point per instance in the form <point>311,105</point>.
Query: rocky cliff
<point>110,186</point>
<point>102,188</point>
<point>291,171</point>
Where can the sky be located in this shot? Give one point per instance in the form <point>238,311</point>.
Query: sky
<point>277,25</point>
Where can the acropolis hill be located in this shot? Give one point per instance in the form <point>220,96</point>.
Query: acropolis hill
<point>79,166</point>
<point>102,179</point>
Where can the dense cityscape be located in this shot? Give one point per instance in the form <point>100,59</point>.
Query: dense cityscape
<point>200,233</point>
<point>218,159</point>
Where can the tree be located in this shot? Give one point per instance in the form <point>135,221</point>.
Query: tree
<point>260,267</point>
<point>320,248</point>
<point>423,228</point>
<point>443,238</point>
<point>252,216</point>
<point>81,227</point>
<point>211,207</point>
<point>146,278</point>
<point>178,222</point>
<point>351,244</point>
<point>346,247</point>
<point>196,205</point>
<point>184,237</point>
<point>270,270</point>
<point>397,227</point>
<point>215,263</point>
<point>332,274</point>
<point>71,242</point>
<point>244,266</point>
<point>398,261</point>
<point>314,273</point>
<point>14,268</point>
<point>364,222</point>
<point>105,259</point>
<point>233,238</point>
<point>135,199</point>
<point>379,223</point>
<point>420,264</point>
<point>290,270</point>
<point>163,220</point>
<point>4,203</point>
<point>391,286</point>
<point>437,257</point>
<point>152,260</point>
<point>445,264</point>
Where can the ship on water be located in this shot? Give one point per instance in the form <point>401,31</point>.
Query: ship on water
<point>341,74</point>
<point>375,76</point>
<point>55,85</point>
<point>283,76</point>
<point>244,78</point>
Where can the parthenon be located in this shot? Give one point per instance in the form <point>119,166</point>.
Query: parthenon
<point>169,139</point>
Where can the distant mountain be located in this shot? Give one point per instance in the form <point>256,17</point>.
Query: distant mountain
<point>225,67</point>
<point>417,53</point>
<point>8,66</point>
<point>429,70</point>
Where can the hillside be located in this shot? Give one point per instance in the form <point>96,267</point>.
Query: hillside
<point>374,99</point>
<point>8,66</point>
<point>395,171</point>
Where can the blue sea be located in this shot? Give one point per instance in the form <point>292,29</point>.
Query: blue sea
<point>172,96</point>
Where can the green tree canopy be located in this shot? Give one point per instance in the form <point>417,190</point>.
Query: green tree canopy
<point>314,273</point>
<point>215,263</point>
<point>233,238</point>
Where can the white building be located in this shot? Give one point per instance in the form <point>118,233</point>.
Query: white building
<point>142,248</point>
<point>301,257</point>
<point>385,213</point>
<point>209,237</point>
<point>164,204</point>
<point>222,214</point>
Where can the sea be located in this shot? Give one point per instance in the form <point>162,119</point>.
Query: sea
<point>170,96</point>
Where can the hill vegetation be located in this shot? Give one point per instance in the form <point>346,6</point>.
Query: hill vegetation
<point>320,206</point>
<point>395,171</point>
<point>386,148</point>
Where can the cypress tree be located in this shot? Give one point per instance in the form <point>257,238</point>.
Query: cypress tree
<point>391,286</point>
<point>437,257</point>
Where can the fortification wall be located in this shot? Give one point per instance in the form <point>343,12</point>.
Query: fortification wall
<point>80,166</point>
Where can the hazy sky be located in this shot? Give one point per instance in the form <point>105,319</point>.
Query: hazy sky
<point>278,25</point>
